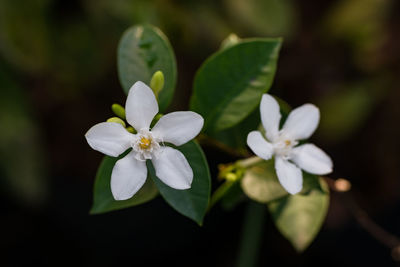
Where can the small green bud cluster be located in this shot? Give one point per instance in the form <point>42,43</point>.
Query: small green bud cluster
<point>232,172</point>
<point>119,110</point>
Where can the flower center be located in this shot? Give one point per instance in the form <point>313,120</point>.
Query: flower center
<point>144,142</point>
<point>283,146</point>
<point>145,145</point>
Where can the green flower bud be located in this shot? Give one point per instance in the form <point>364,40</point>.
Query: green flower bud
<point>232,39</point>
<point>157,82</point>
<point>118,110</point>
<point>117,120</point>
<point>131,129</point>
<point>231,177</point>
<point>156,119</point>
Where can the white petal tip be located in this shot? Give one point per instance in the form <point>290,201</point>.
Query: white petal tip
<point>201,121</point>
<point>294,192</point>
<point>309,105</point>
<point>120,195</point>
<point>183,187</point>
<point>325,172</point>
<point>140,84</point>
<point>268,97</point>
<point>119,198</point>
<point>184,184</point>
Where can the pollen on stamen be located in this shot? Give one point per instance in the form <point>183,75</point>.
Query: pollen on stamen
<point>287,142</point>
<point>144,143</point>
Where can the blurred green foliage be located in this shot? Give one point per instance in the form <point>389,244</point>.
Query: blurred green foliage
<point>22,159</point>
<point>58,72</point>
<point>340,55</point>
<point>360,23</point>
<point>346,109</point>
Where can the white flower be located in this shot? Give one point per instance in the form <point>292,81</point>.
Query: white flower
<point>129,173</point>
<point>289,158</point>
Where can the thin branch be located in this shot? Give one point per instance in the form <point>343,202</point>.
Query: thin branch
<point>237,153</point>
<point>363,219</point>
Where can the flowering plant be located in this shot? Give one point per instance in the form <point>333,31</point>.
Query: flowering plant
<point>148,153</point>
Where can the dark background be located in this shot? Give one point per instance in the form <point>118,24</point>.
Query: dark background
<point>58,77</point>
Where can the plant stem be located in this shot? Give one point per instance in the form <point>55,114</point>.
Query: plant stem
<point>205,140</point>
<point>224,188</point>
<point>249,162</point>
<point>219,193</point>
<point>252,232</point>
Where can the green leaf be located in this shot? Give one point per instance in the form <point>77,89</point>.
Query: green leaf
<point>142,51</point>
<point>192,202</point>
<point>229,85</point>
<point>103,201</point>
<point>300,217</point>
<point>235,137</point>
<point>261,184</point>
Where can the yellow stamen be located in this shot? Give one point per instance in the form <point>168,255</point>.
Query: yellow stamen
<point>145,143</point>
<point>287,142</point>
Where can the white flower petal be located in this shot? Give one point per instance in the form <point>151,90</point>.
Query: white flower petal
<point>312,159</point>
<point>110,138</point>
<point>173,169</point>
<point>178,127</point>
<point>270,116</point>
<point>128,176</point>
<point>141,106</point>
<point>259,145</point>
<point>302,122</point>
<point>289,175</point>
